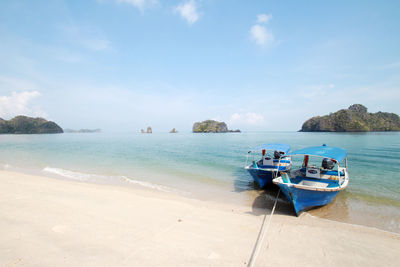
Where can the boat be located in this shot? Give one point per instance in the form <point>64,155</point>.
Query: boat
<point>311,186</point>
<point>273,160</point>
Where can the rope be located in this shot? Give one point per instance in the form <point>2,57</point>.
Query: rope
<point>261,235</point>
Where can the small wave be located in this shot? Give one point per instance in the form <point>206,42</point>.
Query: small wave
<point>6,166</point>
<point>147,184</point>
<point>84,177</point>
<point>70,174</point>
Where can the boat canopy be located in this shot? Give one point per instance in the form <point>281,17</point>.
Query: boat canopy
<point>335,153</point>
<point>278,147</point>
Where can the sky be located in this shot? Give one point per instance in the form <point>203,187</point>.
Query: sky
<point>123,65</point>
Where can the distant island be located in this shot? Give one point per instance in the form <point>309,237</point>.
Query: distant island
<point>149,130</point>
<point>173,130</point>
<point>28,125</point>
<point>82,131</point>
<point>211,126</point>
<point>354,119</point>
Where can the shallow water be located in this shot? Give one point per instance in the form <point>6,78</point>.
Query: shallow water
<point>210,166</point>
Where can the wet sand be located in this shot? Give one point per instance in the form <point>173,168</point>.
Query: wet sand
<point>370,212</point>
<point>50,222</point>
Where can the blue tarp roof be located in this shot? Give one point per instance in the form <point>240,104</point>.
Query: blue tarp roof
<point>323,151</point>
<point>278,147</point>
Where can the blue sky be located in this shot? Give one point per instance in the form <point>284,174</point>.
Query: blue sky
<point>257,65</point>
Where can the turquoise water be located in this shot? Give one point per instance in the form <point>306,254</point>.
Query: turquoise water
<point>210,166</point>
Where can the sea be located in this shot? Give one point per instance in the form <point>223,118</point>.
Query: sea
<point>211,167</point>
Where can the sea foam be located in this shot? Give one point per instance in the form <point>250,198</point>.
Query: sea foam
<point>86,177</point>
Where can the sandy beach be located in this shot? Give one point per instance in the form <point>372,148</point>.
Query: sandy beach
<point>50,222</point>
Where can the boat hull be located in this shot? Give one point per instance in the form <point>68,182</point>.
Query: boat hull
<point>261,177</point>
<point>303,199</point>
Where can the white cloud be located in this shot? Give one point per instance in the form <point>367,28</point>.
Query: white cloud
<point>260,35</point>
<point>188,11</point>
<point>264,18</point>
<point>217,118</point>
<point>249,118</point>
<point>19,104</point>
<point>140,4</point>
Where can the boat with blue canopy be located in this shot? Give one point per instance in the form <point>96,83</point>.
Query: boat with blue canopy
<point>312,185</point>
<point>273,160</point>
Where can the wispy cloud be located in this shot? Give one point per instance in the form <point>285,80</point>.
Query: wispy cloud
<point>140,4</point>
<point>259,32</point>
<point>8,83</point>
<point>88,37</point>
<point>188,11</point>
<point>315,92</point>
<point>96,44</point>
<point>19,104</point>
<point>249,118</point>
<point>393,65</point>
<point>66,55</point>
<point>260,35</point>
<point>264,18</point>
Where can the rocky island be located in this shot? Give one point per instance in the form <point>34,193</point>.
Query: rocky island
<point>354,119</point>
<point>211,126</point>
<point>28,125</point>
<point>149,130</point>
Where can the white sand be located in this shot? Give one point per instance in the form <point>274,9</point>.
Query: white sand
<point>50,222</point>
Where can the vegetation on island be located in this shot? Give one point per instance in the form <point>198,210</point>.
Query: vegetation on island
<point>211,126</point>
<point>354,119</point>
<point>28,125</point>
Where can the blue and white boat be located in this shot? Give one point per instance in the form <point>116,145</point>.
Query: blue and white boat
<point>312,186</point>
<point>274,160</point>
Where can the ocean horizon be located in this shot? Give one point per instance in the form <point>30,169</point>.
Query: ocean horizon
<point>211,166</point>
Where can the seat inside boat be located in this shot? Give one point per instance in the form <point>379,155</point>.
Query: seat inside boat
<point>313,182</point>
<point>324,172</point>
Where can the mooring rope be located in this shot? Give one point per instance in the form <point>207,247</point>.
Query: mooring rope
<point>261,235</point>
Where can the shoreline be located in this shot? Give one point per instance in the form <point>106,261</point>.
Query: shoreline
<point>48,222</point>
<point>351,210</point>
<point>351,224</point>
<point>212,167</point>
<point>337,211</point>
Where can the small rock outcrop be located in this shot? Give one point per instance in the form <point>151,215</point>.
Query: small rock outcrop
<point>28,125</point>
<point>173,130</point>
<point>148,131</point>
<point>211,126</point>
<point>354,119</point>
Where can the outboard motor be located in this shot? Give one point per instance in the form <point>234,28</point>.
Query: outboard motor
<point>277,154</point>
<point>327,164</point>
